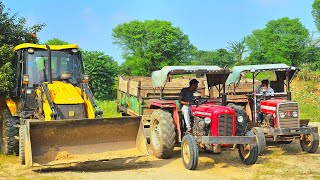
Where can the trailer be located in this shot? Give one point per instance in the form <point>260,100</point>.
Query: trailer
<point>135,93</point>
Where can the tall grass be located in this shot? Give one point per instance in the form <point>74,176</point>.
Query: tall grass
<point>109,108</point>
<point>306,93</point>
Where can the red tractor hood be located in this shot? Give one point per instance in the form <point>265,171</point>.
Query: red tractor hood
<point>269,106</point>
<point>208,110</point>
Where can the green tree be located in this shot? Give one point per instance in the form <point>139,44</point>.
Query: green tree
<point>220,57</point>
<point>281,41</point>
<point>56,41</point>
<point>238,48</point>
<point>150,45</point>
<point>316,13</point>
<point>13,31</point>
<point>102,70</point>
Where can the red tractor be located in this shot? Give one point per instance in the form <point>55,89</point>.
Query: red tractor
<point>213,124</point>
<point>275,115</point>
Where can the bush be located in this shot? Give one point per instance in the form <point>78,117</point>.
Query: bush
<point>102,71</point>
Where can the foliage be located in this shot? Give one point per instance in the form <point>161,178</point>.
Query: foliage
<point>102,70</point>
<point>316,13</point>
<point>109,108</point>
<point>281,41</point>
<point>238,48</point>
<point>219,57</point>
<point>13,31</point>
<point>307,95</point>
<point>150,45</point>
<point>6,77</point>
<point>56,41</point>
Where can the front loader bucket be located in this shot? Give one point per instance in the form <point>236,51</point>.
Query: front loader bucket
<point>70,141</point>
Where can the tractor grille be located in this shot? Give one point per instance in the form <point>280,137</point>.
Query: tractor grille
<point>288,121</point>
<point>71,111</point>
<point>225,124</point>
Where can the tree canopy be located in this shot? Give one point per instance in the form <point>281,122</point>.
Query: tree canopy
<point>316,13</point>
<point>56,41</point>
<point>220,57</point>
<point>150,45</point>
<point>281,41</point>
<point>102,70</point>
<point>13,31</point>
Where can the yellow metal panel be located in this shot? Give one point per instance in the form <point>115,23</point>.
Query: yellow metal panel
<point>64,93</point>
<point>47,111</point>
<point>52,47</point>
<point>89,107</point>
<point>12,106</point>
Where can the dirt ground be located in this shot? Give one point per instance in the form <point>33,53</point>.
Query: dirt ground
<point>279,162</point>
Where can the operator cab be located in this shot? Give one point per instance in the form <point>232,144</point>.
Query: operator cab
<point>32,64</point>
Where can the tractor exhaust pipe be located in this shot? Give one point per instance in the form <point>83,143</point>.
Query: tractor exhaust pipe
<point>49,64</point>
<point>224,95</point>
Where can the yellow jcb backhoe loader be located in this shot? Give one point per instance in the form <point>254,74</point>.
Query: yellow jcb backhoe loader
<point>51,118</point>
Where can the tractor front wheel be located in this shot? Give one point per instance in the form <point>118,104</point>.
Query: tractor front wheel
<point>189,152</point>
<point>162,134</point>
<point>310,142</point>
<point>261,140</point>
<point>248,153</point>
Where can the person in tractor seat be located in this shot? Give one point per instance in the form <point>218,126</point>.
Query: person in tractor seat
<point>185,97</point>
<point>263,88</point>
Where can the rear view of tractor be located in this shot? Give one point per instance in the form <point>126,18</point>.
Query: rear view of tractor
<point>51,118</point>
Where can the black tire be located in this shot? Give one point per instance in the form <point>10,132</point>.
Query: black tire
<point>261,139</point>
<point>248,153</point>
<point>310,143</point>
<point>189,152</point>
<point>22,135</point>
<point>9,131</point>
<point>242,124</point>
<point>162,134</point>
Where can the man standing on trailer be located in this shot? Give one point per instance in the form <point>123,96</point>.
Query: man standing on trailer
<point>185,97</point>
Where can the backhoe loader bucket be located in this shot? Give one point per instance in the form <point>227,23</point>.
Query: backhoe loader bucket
<point>71,141</point>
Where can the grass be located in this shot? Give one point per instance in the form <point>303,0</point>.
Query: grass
<point>307,94</point>
<point>109,108</point>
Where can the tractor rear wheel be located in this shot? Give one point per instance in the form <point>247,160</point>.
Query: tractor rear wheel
<point>310,142</point>
<point>261,140</point>
<point>248,153</point>
<point>9,131</point>
<point>162,134</point>
<point>189,152</point>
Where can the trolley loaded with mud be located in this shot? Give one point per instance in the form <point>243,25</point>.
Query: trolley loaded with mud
<point>51,118</point>
<point>273,115</point>
<point>213,124</point>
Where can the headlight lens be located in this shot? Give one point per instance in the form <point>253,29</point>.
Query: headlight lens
<point>240,119</point>
<point>207,120</point>
<point>282,114</point>
<point>295,114</point>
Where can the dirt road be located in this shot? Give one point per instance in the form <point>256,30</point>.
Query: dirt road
<point>279,162</point>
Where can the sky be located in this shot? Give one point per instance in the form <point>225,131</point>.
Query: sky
<point>209,24</point>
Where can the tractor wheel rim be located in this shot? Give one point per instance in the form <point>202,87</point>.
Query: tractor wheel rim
<point>186,152</point>
<point>245,150</point>
<point>156,134</point>
<point>308,140</point>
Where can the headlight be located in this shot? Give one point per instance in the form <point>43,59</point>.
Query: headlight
<point>282,114</point>
<point>207,120</point>
<point>295,114</point>
<point>240,119</point>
